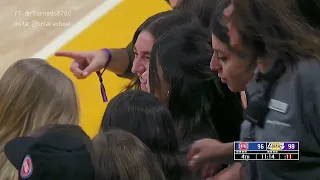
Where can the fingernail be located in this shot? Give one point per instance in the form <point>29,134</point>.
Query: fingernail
<point>196,156</point>
<point>85,74</point>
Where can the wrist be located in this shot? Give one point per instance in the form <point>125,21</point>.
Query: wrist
<point>227,150</point>
<point>108,57</point>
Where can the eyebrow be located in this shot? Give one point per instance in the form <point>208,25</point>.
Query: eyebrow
<point>218,50</point>
<point>144,52</point>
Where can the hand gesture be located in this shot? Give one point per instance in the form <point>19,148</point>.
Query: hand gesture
<point>85,63</point>
<point>205,151</point>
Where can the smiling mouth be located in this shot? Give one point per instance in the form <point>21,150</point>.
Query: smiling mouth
<point>223,80</point>
<point>142,81</point>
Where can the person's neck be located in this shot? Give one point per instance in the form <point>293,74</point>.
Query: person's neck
<point>265,64</point>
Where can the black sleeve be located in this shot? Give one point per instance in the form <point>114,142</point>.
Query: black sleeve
<point>127,73</point>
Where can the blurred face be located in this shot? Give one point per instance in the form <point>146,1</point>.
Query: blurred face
<point>232,70</point>
<point>142,49</point>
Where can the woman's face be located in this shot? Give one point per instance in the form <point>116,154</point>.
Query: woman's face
<point>232,70</point>
<point>142,49</point>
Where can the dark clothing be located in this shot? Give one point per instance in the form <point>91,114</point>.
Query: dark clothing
<point>294,115</point>
<point>50,156</point>
<point>226,125</point>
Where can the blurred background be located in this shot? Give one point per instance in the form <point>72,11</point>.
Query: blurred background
<point>38,28</point>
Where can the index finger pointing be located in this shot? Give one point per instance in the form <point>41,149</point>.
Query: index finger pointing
<point>70,54</point>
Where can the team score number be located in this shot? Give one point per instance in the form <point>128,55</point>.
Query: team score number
<point>261,146</point>
<point>291,146</point>
<point>245,156</point>
<point>267,156</point>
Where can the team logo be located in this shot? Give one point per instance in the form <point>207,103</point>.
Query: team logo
<point>275,146</point>
<point>26,168</point>
<point>243,146</point>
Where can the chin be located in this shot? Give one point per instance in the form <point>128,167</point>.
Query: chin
<point>235,89</point>
<point>144,88</point>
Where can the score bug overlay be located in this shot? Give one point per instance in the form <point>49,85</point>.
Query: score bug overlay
<point>266,150</point>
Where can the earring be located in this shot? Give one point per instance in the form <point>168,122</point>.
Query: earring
<point>168,93</point>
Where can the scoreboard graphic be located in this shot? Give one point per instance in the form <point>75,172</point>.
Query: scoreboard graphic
<point>266,151</point>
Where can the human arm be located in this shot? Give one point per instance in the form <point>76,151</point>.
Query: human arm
<point>233,172</point>
<point>85,63</point>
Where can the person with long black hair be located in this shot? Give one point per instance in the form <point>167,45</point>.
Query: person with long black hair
<point>143,115</point>
<point>181,78</point>
<point>280,39</point>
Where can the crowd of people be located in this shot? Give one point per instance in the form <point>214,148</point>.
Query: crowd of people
<point>203,75</point>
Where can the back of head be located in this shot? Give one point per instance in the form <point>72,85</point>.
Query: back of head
<point>182,57</point>
<point>163,22</point>
<point>122,156</point>
<point>167,23</point>
<point>32,94</point>
<point>149,21</point>
<point>141,114</point>
<point>200,8</point>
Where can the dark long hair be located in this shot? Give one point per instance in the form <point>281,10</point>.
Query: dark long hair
<point>158,25</point>
<point>122,156</point>
<point>310,10</point>
<point>141,114</point>
<point>275,26</point>
<point>197,99</point>
<point>200,8</point>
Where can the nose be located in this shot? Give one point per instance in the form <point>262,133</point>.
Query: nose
<point>137,67</point>
<point>215,64</point>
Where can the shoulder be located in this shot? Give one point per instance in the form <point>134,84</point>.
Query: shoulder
<point>309,70</point>
<point>308,78</point>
